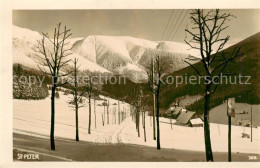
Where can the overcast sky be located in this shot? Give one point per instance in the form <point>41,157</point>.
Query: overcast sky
<point>147,24</point>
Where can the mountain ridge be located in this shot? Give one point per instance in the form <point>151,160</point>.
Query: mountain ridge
<point>120,55</point>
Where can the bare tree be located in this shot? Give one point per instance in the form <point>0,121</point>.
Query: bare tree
<point>136,103</point>
<point>95,97</point>
<point>144,127</point>
<point>77,97</point>
<point>89,91</point>
<point>107,110</point>
<point>154,103</point>
<point>95,112</point>
<point>118,111</point>
<point>205,34</point>
<point>104,113</point>
<point>145,108</point>
<point>155,82</point>
<point>52,61</point>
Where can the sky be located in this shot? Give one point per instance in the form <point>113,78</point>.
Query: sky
<point>147,24</point>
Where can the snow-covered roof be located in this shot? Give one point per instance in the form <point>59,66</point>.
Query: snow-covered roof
<point>185,117</point>
<point>196,121</point>
<point>97,98</point>
<point>177,110</point>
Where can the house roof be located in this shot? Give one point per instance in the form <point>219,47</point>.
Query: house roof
<point>196,121</point>
<point>96,97</point>
<point>184,117</point>
<point>168,111</point>
<point>177,110</point>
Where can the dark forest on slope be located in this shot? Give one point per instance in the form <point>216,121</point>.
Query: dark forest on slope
<point>246,65</point>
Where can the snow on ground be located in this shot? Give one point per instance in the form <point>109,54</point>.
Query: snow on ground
<point>192,138</point>
<point>33,118</point>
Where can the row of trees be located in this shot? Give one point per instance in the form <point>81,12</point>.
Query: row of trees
<point>51,61</point>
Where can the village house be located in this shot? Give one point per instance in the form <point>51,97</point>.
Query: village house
<point>186,118</point>
<point>174,112</point>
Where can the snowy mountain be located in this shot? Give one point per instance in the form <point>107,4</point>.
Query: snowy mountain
<point>121,55</point>
<point>24,41</point>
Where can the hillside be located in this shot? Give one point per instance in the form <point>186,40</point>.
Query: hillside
<point>247,65</point>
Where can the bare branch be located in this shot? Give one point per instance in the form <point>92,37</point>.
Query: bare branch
<point>194,68</point>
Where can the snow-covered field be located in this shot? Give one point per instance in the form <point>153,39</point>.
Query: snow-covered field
<point>33,118</point>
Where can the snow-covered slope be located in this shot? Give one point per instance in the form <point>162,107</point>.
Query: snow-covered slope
<point>121,55</point>
<point>133,72</point>
<point>24,42</point>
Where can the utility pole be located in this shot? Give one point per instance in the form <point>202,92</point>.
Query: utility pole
<point>251,124</point>
<point>230,113</point>
<point>229,138</point>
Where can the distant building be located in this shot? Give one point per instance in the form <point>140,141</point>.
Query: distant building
<point>96,97</point>
<point>244,122</point>
<point>184,118</point>
<point>177,111</point>
<point>168,112</point>
<point>197,122</point>
<point>174,112</point>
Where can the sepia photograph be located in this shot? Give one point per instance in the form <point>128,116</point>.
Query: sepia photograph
<point>135,85</point>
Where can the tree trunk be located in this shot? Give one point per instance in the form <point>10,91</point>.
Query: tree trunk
<point>77,127</point>
<point>157,120</point>
<point>209,155</point>
<point>103,116</point>
<point>138,122</point>
<point>136,118</point>
<point>77,124</point>
<point>143,119</point>
<point>107,111</point>
<point>115,115</point>
<point>89,123</point>
<point>102,119</point>
<point>52,115</point>
<point>144,129</point>
<point>95,113</point>
<point>171,123</point>
<point>154,103</point>
<point>118,112</point>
